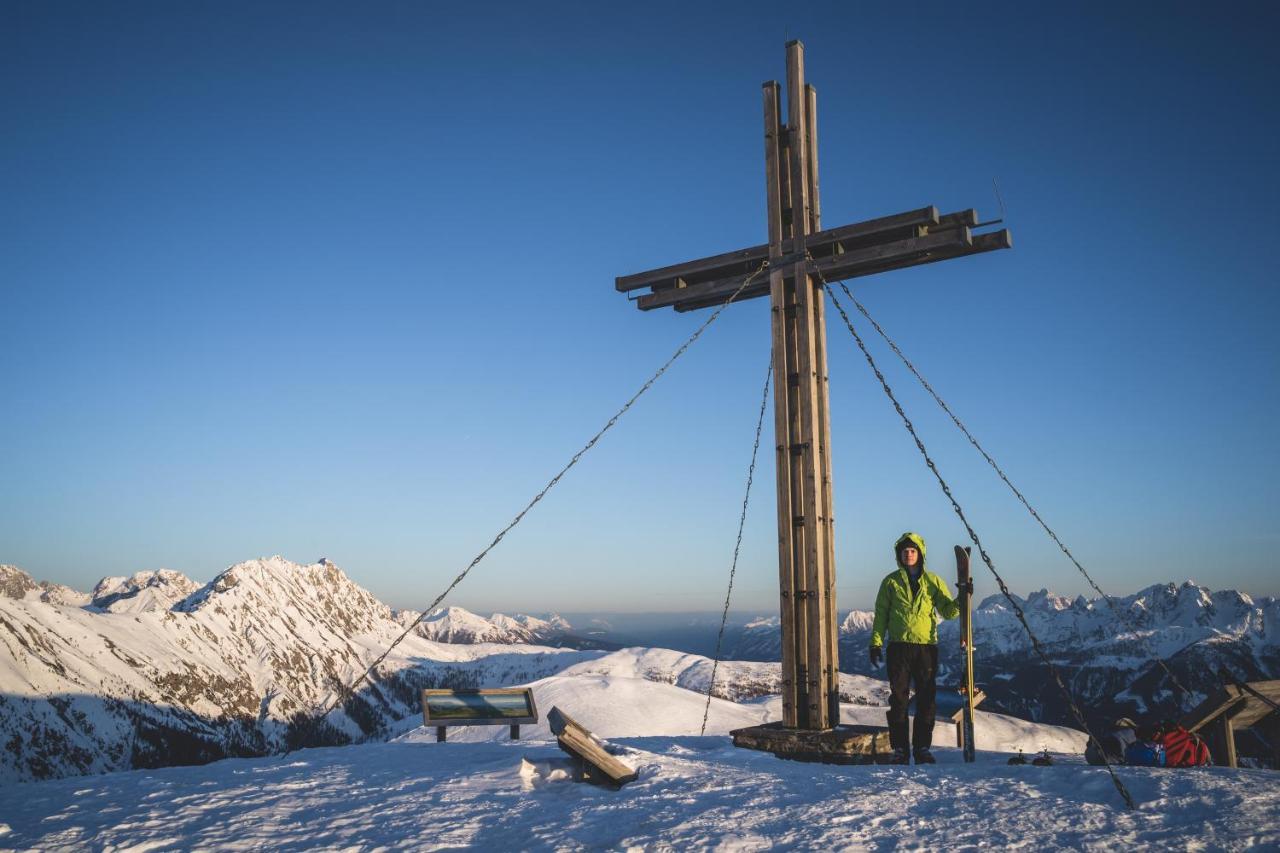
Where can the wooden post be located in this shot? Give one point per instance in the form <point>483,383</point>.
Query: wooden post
<point>515,732</point>
<point>801,414</point>
<point>781,306</point>
<point>1227,731</point>
<point>831,670</point>
<point>440,730</point>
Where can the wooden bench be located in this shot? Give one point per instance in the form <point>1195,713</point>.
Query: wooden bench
<point>500,706</point>
<point>1236,705</point>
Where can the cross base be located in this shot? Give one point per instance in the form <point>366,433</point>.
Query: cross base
<point>841,745</point>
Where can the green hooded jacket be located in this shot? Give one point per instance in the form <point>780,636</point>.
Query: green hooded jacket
<point>907,618</point>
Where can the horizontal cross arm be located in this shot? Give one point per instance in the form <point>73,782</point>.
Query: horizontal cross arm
<point>838,268</point>
<point>959,219</point>
<point>877,254</point>
<point>745,261</point>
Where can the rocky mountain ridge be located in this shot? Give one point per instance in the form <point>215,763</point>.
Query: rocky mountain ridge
<point>1109,650</point>
<point>247,664</point>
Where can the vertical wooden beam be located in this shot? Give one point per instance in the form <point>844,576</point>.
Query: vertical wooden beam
<point>778,294</point>
<point>797,134</point>
<point>773,197</point>
<point>831,670</point>
<point>811,123</point>
<point>806,579</point>
<point>806,463</point>
<point>1227,730</point>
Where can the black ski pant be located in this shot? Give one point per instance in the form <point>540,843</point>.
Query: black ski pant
<point>908,663</point>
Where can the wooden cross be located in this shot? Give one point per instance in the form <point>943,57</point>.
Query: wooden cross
<point>797,251</point>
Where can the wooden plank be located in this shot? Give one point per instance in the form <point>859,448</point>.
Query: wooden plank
<point>713,265</point>
<point>978,696</point>
<point>745,260</point>
<point>830,673</point>
<point>1224,703</point>
<point>786,429</point>
<point>834,267</point>
<point>1228,733</point>
<point>1263,698</point>
<point>959,219</point>
<point>837,266</point>
<point>813,555</point>
<point>811,151</point>
<point>577,741</point>
<point>798,135</point>
<point>773,200</point>
<point>778,328</point>
<point>981,243</point>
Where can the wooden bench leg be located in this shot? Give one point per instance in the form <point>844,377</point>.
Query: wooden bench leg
<point>440,734</point>
<point>1228,732</point>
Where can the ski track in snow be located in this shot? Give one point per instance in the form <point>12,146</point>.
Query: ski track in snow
<point>693,792</point>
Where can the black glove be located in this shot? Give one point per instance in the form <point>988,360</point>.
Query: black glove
<point>876,654</point>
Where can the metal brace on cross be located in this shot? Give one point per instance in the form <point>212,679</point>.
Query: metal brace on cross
<point>800,254</point>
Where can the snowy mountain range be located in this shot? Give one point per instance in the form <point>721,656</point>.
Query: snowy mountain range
<point>458,625</point>
<point>156,669</point>
<point>1110,657</point>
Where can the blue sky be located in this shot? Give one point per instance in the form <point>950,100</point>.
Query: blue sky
<point>334,279</point>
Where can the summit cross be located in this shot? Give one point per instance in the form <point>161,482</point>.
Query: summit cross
<point>799,256</point>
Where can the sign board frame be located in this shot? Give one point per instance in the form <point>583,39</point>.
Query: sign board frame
<point>466,715</point>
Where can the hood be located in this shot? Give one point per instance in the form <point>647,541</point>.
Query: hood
<point>915,539</point>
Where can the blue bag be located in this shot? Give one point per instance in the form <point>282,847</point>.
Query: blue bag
<point>1144,753</point>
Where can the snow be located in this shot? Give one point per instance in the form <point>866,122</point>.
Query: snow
<point>261,625</point>
<point>693,792</point>
<point>481,789</point>
<point>857,620</point>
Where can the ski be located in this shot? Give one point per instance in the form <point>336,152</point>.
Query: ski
<point>965,583</point>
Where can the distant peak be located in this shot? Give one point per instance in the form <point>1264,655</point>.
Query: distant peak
<point>15,583</point>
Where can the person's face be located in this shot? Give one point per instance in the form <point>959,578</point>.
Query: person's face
<point>910,556</point>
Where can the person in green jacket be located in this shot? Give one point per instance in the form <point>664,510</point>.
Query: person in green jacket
<point>905,613</point>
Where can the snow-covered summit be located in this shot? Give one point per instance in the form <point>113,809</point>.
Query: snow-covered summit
<point>153,590</point>
<point>856,621</point>
<point>1170,616</point>
<point>459,625</point>
<point>17,584</point>
<point>320,593</point>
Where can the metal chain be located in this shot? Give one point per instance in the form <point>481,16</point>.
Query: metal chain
<point>973,536</point>
<point>737,546</point>
<point>348,691</point>
<point>1018,494</point>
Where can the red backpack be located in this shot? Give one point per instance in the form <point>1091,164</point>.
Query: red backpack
<point>1183,748</point>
